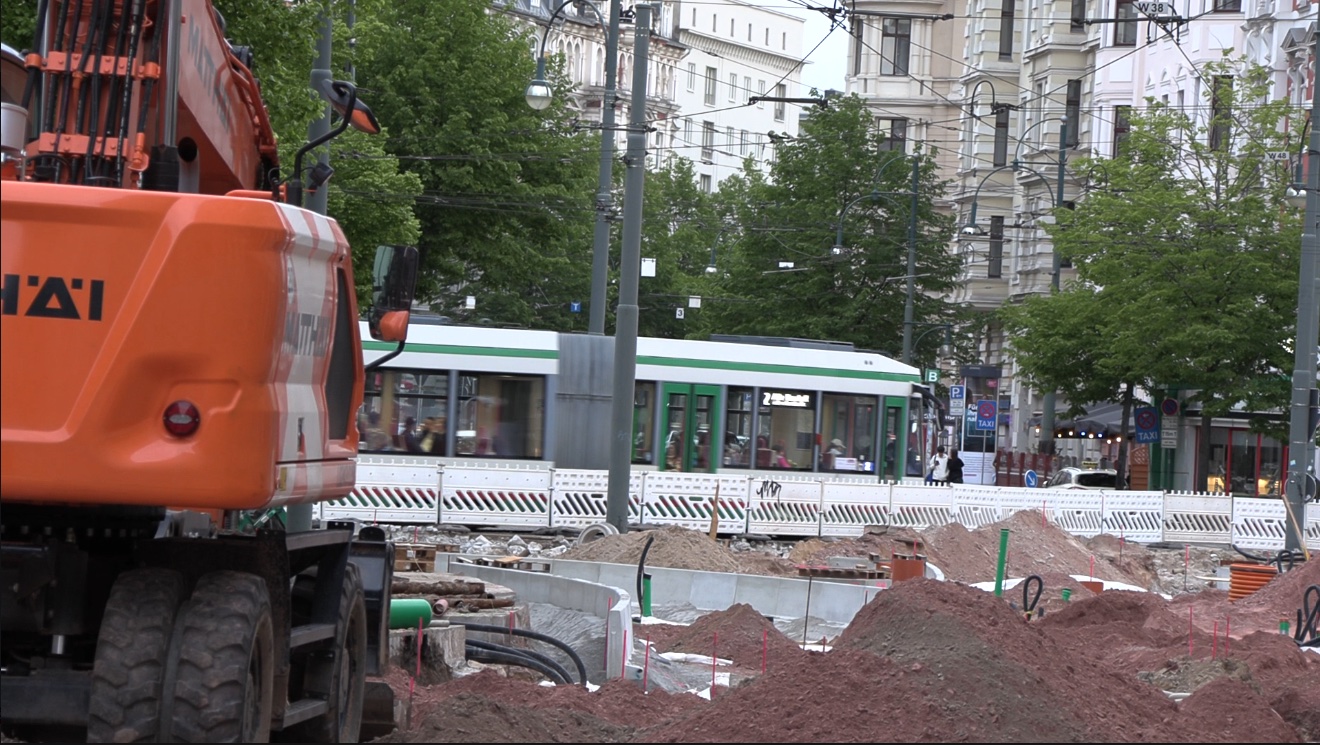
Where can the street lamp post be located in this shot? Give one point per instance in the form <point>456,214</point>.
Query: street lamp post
<point>625,317</point>
<point>1048,405</point>
<point>538,97</point>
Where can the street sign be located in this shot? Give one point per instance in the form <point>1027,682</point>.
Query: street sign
<point>1148,423</point>
<point>1169,432</point>
<point>678,313</point>
<point>933,375</point>
<point>1283,155</point>
<point>986,418</point>
<point>1169,407</point>
<point>957,393</point>
<point>575,307</point>
<point>1031,479</point>
<point>1161,9</point>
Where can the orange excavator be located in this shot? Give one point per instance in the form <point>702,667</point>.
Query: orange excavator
<point>180,360</point>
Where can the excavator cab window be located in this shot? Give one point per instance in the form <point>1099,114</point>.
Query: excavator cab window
<point>394,281</point>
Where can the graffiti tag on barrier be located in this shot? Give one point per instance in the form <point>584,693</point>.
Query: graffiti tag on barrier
<point>769,490</point>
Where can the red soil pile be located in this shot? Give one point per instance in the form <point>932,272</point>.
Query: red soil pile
<point>1228,710</point>
<point>738,633</point>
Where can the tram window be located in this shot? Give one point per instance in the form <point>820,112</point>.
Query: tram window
<point>404,411</point>
<point>643,423</point>
<point>848,426</point>
<point>500,416</point>
<point>738,428</point>
<point>786,429</point>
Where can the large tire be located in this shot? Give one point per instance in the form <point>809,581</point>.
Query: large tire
<point>338,674</point>
<point>226,662</point>
<point>131,653</point>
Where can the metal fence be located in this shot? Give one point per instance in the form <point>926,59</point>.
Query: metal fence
<point>520,496</point>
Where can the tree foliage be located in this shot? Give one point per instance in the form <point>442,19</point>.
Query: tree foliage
<point>1186,257</point>
<point>680,226</point>
<point>839,161</point>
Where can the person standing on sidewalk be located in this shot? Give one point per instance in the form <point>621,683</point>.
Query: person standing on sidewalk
<point>955,468</point>
<point>939,467</point>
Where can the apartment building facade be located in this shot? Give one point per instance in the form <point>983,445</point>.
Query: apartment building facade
<point>736,51</point>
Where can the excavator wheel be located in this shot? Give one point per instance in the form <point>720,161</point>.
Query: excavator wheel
<point>338,675</point>
<point>132,650</point>
<point>225,677</point>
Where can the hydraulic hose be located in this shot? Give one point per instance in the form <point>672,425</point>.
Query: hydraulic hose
<point>502,658</point>
<point>572,654</point>
<point>529,653</point>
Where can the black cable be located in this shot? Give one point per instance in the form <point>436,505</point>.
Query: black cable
<point>1308,619</point>
<point>572,654</point>
<point>501,658</point>
<point>1029,602</point>
<point>546,660</point>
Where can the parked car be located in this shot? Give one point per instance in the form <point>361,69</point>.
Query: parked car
<point>1083,478</point>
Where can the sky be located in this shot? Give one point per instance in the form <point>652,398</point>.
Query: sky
<point>826,68</point>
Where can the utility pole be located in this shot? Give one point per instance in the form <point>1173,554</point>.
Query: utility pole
<point>909,301</point>
<point>1301,435</point>
<point>1047,407</point>
<point>298,518</point>
<point>600,251</point>
<point>625,316</point>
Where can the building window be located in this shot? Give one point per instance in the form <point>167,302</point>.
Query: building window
<point>694,18</point>
<point>730,27</point>
<point>743,149</point>
<point>1122,125</point>
<point>783,40</point>
<point>714,23</point>
<point>1073,111</point>
<point>1221,112</point>
<point>711,79</point>
<point>707,140</point>
<point>1006,10</point>
<point>995,262</point>
<point>780,92</point>
<point>895,133</point>
<point>688,128</point>
<point>895,45</point>
<point>1125,31</point>
<point>749,32</point>
<point>405,411</point>
<point>733,86</point>
<point>1077,24</point>
<point>705,183</point>
<point>728,139</point>
<point>760,88</point>
<point>767,36</point>
<point>1227,6</point>
<point>692,76</point>
<point>858,31</point>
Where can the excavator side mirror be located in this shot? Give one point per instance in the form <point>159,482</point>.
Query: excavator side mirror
<point>393,286</point>
<point>343,99</point>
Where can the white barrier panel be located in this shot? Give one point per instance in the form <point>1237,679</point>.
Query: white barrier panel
<point>1200,518</point>
<point>921,507</point>
<point>1014,499</point>
<point>1259,523</point>
<point>390,489</point>
<point>1134,515</point>
<point>976,506</point>
<point>847,508</point>
<point>778,507</point>
<point>1077,511</point>
<point>579,498</point>
<point>686,499</point>
<point>1313,526</point>
<point>516,497</point>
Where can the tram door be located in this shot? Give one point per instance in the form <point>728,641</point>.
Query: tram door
<point>691,417</point>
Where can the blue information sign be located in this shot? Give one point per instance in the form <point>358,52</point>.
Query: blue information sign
<point>574,307</point>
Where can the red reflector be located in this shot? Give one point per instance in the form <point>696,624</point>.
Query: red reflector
<point>182,418</point>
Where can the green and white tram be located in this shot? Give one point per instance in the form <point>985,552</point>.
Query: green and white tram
<point>464,394</point>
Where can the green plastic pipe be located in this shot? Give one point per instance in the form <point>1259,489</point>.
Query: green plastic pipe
<point>405,613</point>
<point>1003,559</point>
<point>646,594</point>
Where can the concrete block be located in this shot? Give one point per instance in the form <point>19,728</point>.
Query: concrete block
<point>522,619</point>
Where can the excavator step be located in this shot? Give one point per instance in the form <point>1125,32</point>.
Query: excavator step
<point>310,633</point>
<point>301,711</point>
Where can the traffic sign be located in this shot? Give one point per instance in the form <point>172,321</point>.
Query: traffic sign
<point>1031,479</point>
<point>1169,407</point>
<point>1283,155</point>
<point>575,307</point>
<point>1169,432</point>
<point>957,392</point>
<point>1148,423</point>
<point>933,375</point>
<point>986,418</point>
<point>1156,9</point>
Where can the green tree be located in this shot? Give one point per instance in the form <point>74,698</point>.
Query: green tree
<point>1187,260</point>
<point>17,20</point>
<point>507,206</point>
<point>855,295</point>
<point>679,227</point>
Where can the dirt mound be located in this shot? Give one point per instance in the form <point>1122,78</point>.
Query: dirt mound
<point>1186,675</point>
<point>739,633</point>
<point>1138,616</point>
<point>1228,710</point>
<point>884,542</point>
<point>472,717</point>
<point>1132,559</point>
<point>676,548</point>
<point>1283,594</point>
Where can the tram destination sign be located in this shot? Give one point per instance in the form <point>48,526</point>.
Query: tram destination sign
<point>787,399</point>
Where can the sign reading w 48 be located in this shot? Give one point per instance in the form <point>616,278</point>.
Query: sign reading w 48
<point>1156,8</point>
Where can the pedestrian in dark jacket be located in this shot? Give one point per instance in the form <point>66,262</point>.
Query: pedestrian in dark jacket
<point>955,468</point>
